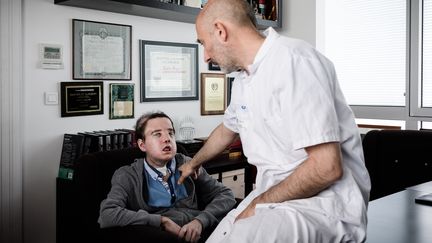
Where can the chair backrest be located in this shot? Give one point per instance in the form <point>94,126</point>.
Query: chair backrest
<point>397,159</point>
<point>92,182</point>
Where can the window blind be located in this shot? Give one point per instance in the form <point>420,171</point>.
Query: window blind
<point>366,40</point>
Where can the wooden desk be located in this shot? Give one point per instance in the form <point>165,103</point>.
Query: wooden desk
<point>396,218</point>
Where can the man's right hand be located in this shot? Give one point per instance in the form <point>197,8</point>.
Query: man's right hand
<point>170,226</point>
<point>186,170</point>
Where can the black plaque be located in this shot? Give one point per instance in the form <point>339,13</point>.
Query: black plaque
<point>81,98</point>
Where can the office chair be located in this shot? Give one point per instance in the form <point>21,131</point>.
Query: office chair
<point>397,159</point>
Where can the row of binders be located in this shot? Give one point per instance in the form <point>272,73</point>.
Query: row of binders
<point>76,145</point>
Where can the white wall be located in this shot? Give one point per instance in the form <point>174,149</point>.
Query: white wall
<point>298,19</point>
<point>45,22</point>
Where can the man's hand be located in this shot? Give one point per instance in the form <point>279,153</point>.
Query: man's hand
<point>186,170</point>
<point>247,212</point>
<point>170,226</point>
<point>191,232</point>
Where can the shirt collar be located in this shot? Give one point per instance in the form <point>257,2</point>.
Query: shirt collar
<point>152,173</point>
<point>271,35</point>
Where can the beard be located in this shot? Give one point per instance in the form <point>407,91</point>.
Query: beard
<point>225,60</point>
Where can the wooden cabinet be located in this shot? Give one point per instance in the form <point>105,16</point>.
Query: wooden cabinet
<point>168,11</point>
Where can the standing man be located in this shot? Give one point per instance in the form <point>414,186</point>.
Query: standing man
<point>295,127</point>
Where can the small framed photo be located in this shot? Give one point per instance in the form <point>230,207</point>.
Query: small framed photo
<point>169,71</point>
<point>81,98</point>
<point>213,86</point>
<point>213,67</point>
<point>101,50</point>
<point>121,101</point>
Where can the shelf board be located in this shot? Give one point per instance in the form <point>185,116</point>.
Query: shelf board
<point>145,8</point>
<point>152,9</point>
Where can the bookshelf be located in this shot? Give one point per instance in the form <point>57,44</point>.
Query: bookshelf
<point>167,11</point>
<point>76,145</point>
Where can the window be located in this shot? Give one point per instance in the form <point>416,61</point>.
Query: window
<point>426,125</point>
<point>381,49</point>
<point>421,59</point>
<point>366,40</point>
<point>427,55</point>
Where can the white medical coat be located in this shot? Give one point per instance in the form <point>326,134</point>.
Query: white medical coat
<point>290,100</point>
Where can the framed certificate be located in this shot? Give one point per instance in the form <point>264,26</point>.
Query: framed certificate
<point>213,86</point>
<point>81,98</point>
<point>101,50</point>
<point>169,71</point>
<point>121,101</point>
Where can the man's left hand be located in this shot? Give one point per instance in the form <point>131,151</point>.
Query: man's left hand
<point>247,212</point>
<point>191,232</point>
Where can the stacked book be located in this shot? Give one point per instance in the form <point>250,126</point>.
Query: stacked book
<point>76,145</point>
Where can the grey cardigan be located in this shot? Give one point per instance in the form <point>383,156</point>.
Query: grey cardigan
<point>126,201</point>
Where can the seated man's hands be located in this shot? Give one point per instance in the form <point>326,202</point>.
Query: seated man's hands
<point>170,226</point>
<point>191,232</point>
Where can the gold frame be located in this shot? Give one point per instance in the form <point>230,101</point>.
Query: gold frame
<point>81,98</point>
<point>213,99</point>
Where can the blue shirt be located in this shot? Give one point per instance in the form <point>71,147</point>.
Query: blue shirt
<point>163,194</point>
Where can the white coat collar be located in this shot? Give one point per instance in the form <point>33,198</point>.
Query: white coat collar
<point>271,36</point>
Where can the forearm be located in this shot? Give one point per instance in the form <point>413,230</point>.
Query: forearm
<point>217,142</point>
<point>322,168</point>
<point>111,215</point>
<point>116,210</point>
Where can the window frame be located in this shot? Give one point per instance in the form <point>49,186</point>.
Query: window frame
<point>416,61</point>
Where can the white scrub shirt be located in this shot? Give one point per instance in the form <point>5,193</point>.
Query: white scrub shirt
<point>290,100</point>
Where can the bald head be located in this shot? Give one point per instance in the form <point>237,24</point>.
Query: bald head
<point>228,33</point>
<point>237,12</point>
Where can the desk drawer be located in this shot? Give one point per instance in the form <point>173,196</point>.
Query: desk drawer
<point>235,181</point>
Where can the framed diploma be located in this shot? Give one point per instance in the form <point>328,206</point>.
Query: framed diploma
<point>121,101</point>
<point>213,86</point>
<point>169,71</point>
<point>81,98</point>
<point>101,50</point>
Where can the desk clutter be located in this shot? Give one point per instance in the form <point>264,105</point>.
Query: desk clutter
<point>234,150</point>
<point>76,145</point>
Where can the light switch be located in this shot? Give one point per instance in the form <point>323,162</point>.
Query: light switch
<point>51,98</point>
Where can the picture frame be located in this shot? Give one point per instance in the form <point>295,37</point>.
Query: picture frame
<point>121,101</point>
<point>81,98</point>
<point>101,50</point>
<point>169,71</point>
<point>213,86</point>
<point>230,81</point>
<point>213,67</point>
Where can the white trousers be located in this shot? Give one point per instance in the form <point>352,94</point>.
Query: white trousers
<point>285,224</point>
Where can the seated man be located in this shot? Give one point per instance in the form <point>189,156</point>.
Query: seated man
<point>147,193</point>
